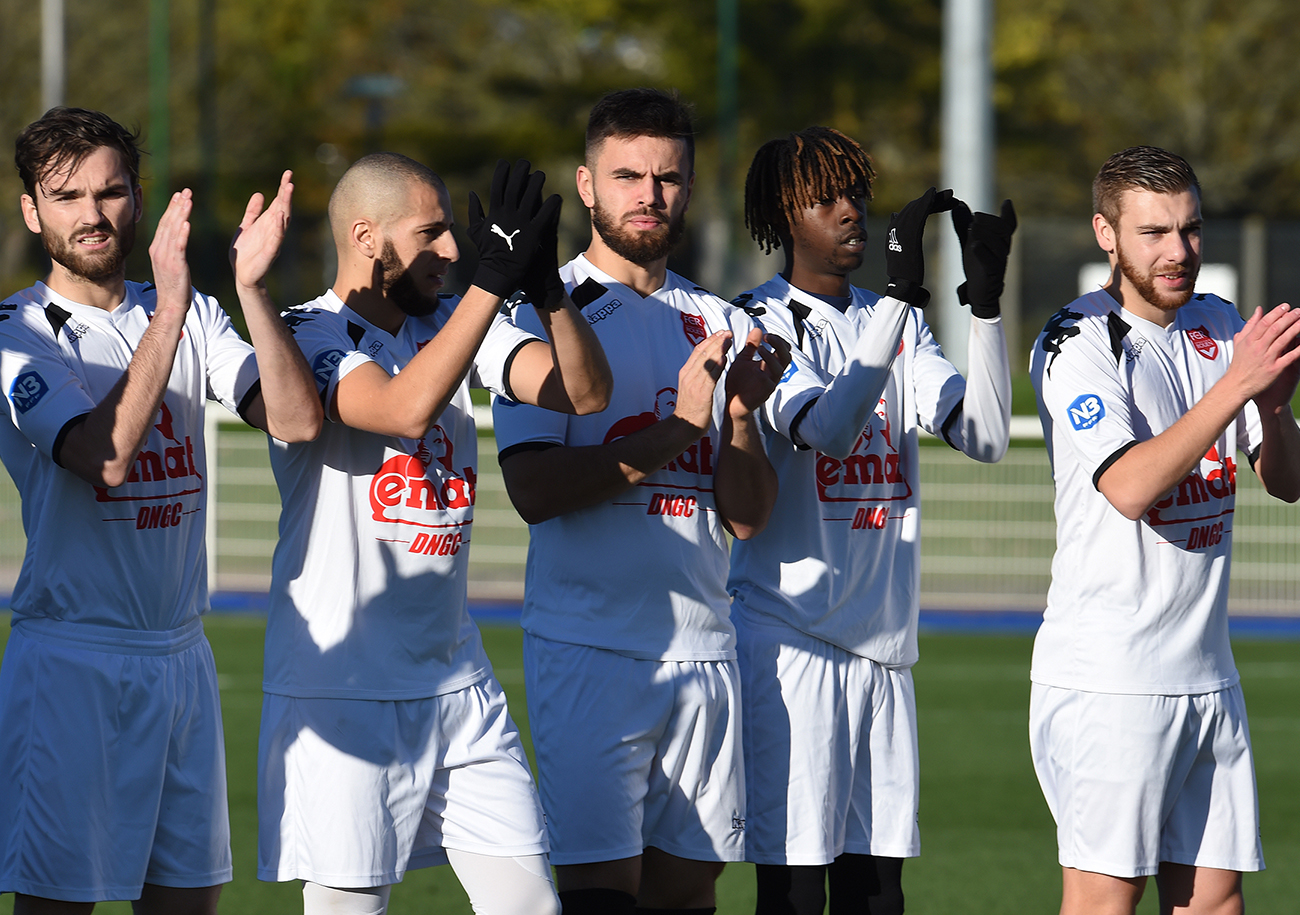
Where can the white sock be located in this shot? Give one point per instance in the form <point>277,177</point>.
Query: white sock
<point>506,886</point>
<point>328,900</point>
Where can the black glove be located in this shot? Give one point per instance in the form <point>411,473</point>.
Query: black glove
<point>904,259</point>
<point>985,245</point>
<point>542,284</point>
<point>507,237</point>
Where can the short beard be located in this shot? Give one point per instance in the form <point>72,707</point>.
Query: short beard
<point>640,248</point>
<point>398,286</point>
<point>92,267</point>
<point>1145,285</point>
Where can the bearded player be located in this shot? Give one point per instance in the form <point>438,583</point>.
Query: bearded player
<point>114,781</point>
<point>826,597</point>
<point>629,652</point>
<point>386,743</point>
<point>1146,392</point>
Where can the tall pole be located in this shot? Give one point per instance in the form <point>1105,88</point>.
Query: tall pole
<point>53,67</point>
<point>728,119</point>
<point>968,150</point>
<point>159,110</point>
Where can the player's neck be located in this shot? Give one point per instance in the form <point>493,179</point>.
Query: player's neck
<point>370,303</point>
<point>1123,292</point>
<point>643,279</point>
<point>106,294</point>
<point>799,276</point>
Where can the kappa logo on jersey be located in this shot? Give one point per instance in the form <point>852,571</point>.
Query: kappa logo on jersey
<point>5,308</point>
<point>894,244</point>
<point>418,489</point>
<point>695,328</point>
<point>604,311</point>
<point>1204,343</point>
<point>325,365</point>
<point>27,391</point>
<point>872,473</point>
<point>1202,497</point>
<point>1086,411</point>
<point>1056,332</point>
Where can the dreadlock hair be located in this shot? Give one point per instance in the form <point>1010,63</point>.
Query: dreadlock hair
<point>63,138</point>
<point>631,113</point>
<point>796,172</point>
<point>1147,168</point>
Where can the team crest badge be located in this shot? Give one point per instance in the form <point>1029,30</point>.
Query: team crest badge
<point>694,327</point>
<point>1203,342</point>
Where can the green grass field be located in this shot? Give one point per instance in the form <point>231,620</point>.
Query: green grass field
<point>988,841</point>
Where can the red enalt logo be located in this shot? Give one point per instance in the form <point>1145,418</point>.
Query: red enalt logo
<point>1203,342</point>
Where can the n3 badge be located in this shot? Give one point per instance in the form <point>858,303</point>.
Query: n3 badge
<point>1086,411</point>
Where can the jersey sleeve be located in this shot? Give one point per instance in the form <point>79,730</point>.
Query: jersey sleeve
<point>232,375</point>
<point>979,423</point>
<point>519,426</point>
<point>1087,400</point>
<point>43,394</point>
<point>801,381</point>
<point>329,351</point>
<point>496,355</point>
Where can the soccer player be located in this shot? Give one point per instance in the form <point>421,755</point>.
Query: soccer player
<point>385,741</point>
<point>629,652</point>
<point>1146,390</point>
<point>111,749</point>
<point>826,597</point>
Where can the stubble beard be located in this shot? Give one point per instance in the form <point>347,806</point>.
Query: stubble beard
<point>1145,284</point>
<point>399,287</point>
<point>637,247</point>
<point>91,267</point>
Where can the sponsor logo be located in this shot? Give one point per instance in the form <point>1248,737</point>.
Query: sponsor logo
<point>673,506</point>
<point>1086,411</point>
<point>789,371</point>
<point>1134,348</point>
<point>1201,494</point>
<point>77,331</point>
<point>737,823</point>
<point>604,311</point>
<point>694,328</point>
<point>1057,331</point>
<point>27,391</point>
<point>510,239</point>
<point>1205,535</point>
<point>872,473</point>
<point>376,347</point>
<point>325,365</point>
<point>152,517</point>
<point>1204,343</point>
<point>436,544</point>
<point>403,491</point>
<point>894,244</point>
<point>866,519</point>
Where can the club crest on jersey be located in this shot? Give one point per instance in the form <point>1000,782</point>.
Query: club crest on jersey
<point>1086,411</point>
<point>325,365</point>
<point>695,329</point>
<point>27,391</point>
<point>1204,343</point>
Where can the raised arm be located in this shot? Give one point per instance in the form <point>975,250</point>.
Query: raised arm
<point>1264,351</point>
<point>102,448</point>
<point>286,405</point>
<point>545,484</point>
<point>1278,462</point>
<point>744,483</point>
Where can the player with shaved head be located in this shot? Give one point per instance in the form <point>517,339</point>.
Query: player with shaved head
<point>826,598</point>
<point>1147,390</point>
<point>386,743</point>
<point>111,746</point>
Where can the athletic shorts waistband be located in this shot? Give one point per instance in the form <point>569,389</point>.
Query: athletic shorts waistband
<point>110,639</point>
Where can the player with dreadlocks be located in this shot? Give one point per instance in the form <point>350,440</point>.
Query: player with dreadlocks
<point>826,597</point>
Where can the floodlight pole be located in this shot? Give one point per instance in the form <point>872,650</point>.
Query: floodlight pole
<point>159,109</point>
<point>728,120</point>
<point>968,152</point>
<point>53,79</point>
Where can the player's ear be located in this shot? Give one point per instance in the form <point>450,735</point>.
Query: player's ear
<point>1105,233</point>
<point>690,185</point>
<point>365,238</point>
<point>137,195</point>
<point>584,181</point>
<point>30,217</point>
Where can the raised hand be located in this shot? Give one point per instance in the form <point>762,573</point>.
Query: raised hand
<point>257,240</point>
<point>985,246</point>
<point>1266,357</point>
<point>698,377</point>
<point>904,257</point>
<point>754,375</point>
<point>171,269</point>
<point>507,237</point>
<point>542,284</point>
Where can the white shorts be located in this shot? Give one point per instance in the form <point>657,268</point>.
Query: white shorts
<point>354,792</point>
<point>831,760</point>
<point>112,762</point>
<point>1136,780</point>
<point>634,753</point>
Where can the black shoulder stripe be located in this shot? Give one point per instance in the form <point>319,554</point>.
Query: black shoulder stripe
<point>510,361</point>
<point>588,292</point>
<point>522,447</point>
<point>57,317</point>
<point>948,423</point>
<point>798,418</point>
<point>1253,456</point>
<point>356,332</point>
<point>801,313</point>
<point>1118,331</point>
<point>1106,465</point>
